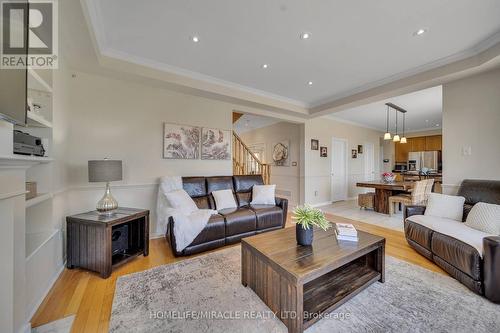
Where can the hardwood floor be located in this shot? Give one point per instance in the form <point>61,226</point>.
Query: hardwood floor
<point>86,295</point>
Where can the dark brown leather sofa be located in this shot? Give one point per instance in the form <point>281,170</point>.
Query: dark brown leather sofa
<point>230,225</point>
<point>462,261</point>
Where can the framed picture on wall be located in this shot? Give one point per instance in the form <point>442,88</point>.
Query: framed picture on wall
<point>215,144</point>
<point>360,149</point>
<point>354,153</point>
<point>314,144</point>
<point>181,142</point>
<point>323,152</point>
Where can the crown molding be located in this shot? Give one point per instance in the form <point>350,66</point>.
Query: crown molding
<point>427,75</point>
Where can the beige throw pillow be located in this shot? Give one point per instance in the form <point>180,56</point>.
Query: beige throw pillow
<point>263,195</point>
<point>180,199</point>
<point>484,217</point>
<point>224,199</point>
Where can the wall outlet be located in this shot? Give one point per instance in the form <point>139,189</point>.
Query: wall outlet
<point>315,193</point>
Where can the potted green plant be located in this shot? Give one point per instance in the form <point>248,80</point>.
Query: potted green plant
<point>305,219</point>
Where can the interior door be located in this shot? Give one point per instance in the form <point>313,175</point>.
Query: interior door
<point>339,170</point>
<point>368,162</point>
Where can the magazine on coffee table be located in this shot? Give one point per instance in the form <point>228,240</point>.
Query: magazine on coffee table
<point>346,231</point>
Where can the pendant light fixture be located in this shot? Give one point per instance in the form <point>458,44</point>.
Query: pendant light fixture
<point>396,136</point>
<point>387,135</point>
<point>403,139</point>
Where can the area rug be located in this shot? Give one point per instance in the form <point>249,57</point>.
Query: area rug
<point>204,294</point>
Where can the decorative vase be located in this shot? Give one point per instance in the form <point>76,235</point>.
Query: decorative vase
<point>389,179</point>
<point>304,236</point>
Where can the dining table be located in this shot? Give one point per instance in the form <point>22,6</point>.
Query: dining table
<point>383,190</point>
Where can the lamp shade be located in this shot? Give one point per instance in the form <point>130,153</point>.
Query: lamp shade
<point>403,140</point>
<point>396,138</point>
<point>105,171</point>
<point>387,136</point>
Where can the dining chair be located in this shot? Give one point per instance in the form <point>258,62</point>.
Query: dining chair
<point>418,196</point>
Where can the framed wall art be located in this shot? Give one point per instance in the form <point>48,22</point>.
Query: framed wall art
<point>181,141</point>
<point>215,144</point>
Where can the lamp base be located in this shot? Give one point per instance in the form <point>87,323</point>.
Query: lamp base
<point>107,205</point>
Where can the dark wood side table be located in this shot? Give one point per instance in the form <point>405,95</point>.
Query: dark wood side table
<point>100,243</point>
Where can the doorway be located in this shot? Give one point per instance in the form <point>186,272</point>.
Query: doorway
<point>338,182</point>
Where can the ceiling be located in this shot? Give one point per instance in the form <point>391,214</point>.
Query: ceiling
<point>424,108</point>
<point>250,122</point>
<point>353,43</point>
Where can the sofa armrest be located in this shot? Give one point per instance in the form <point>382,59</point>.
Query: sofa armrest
<point>283,204</point>
<point>491,268</point>
<point>170,236</point>
<point>413,210</point>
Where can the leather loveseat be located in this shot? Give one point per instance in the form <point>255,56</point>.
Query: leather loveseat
<point>230,225</point>
<point>468,255</point>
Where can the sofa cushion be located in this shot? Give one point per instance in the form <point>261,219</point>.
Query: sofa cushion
<point>243,187</point>
<point>195,186</point>
<point>224,199</point>
<point>446,206</point>
<point>484,217</point>
<point>458,254</point>
<point>215,229</point>
<point>419,234</point>
<point>180,200</point>
<point>263,195</point>
<point>475,191</point>
<point>268,216</point>
<point>452,228</point>
<point>239,220</point>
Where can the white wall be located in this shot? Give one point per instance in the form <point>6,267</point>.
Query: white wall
<point>286,178</point>
<point>471,119</point>
<point>318,169</point>
<point>124,120</point>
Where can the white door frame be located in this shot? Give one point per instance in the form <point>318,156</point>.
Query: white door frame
<point>345,197</point>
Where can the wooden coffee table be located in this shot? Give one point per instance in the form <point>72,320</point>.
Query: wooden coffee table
<point>302,283</point>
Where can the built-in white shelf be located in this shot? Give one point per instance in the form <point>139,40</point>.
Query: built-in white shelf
<point>36,82</point>
<point>38,199</point>
<point>14,159</point>
<point>37,120</point>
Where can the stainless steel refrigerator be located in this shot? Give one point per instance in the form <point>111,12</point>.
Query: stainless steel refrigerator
<point>423,159</point>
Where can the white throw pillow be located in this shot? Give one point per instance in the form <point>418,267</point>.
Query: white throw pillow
<point>263,195</point>
<point>179,199</point>
<point>224,199</point>
<point>447,206</point>
<point>484,217</point>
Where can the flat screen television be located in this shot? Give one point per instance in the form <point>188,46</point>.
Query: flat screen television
<point>14,82</point>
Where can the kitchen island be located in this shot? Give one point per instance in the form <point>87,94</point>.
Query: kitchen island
<point>383,191</point>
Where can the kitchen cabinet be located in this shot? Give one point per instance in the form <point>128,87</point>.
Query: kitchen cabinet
<point>433,142</point>
<point>418,144</point>
<point>401,151</point>
<point>422,143</point>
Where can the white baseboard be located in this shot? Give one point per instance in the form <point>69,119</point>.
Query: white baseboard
<point>156,236</point>
<point>320,204</point>
<point>37,304</point>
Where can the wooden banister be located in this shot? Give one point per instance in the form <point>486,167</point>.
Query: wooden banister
<point>246,163</point>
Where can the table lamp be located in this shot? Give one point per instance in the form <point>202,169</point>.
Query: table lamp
<point>105,170</point>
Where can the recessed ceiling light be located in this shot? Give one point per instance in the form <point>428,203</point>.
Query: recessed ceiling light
<point>420,32</point>
<point>309,83</point>
<point>265,66</point>
<point>426,120</point>
<point>305,35</point>
<point>195,39</point>
<point>437,125</point>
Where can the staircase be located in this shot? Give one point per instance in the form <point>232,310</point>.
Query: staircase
<point>246,163</point>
